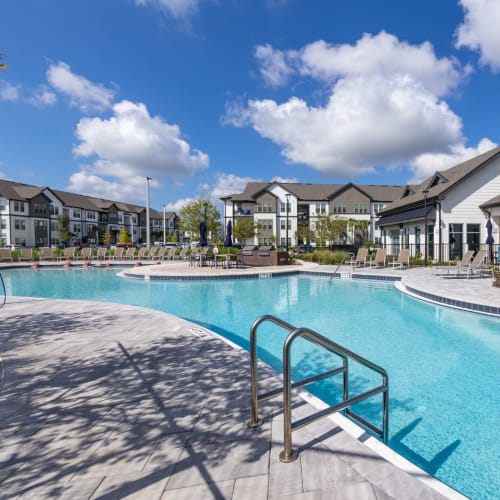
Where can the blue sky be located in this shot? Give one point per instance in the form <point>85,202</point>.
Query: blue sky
<point>205,95</point>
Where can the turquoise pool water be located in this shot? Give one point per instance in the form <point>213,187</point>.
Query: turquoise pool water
<point>443,364</point>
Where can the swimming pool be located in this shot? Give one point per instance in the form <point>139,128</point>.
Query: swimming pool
<point>443,364</point>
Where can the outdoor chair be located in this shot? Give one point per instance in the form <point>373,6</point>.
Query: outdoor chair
<point>68,254</point>
<point>402,260</point>
<point>361,258</point>
<point>5,255</point>
<point>101,253</point>
<point>477,265</point>
<point>85,254</point>
<point>170,253</point>
<point>130,253</point>
<point>247,250</point>
<point>141,255</point>
<point>264,251</point>
<point>25,254</point>
<point>461,264</point>
<point>46,253</point>
<point>380,258</point>
<point>118,253</point>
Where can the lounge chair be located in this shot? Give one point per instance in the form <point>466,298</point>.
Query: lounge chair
<point>361,258</point>
<point>160,254</point>
<point>25,254</point>
<point>141,255</point>
<point>130,253</point>
<point>182,254</point>
<point>68,254</point>
<point>5,255</point>
<point>118,253</point>
<point>465,261</point>
<point>477,265</point>
<point>380,258</point>
<point>170,254</point>
<point>85,254</point>
<point>46,253</point>
<point>102,253</point>
<point>153,252</point>
<point>402,260</point>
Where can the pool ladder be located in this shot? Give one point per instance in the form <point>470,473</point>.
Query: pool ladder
<point>289,454</point>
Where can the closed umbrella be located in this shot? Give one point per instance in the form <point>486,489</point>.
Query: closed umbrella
<point>203,234</point>
<point>489,237</point>
<point>228,242</point>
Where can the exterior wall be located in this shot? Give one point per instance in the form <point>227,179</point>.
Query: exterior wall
<point>460,206</point>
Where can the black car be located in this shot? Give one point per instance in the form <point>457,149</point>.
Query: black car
<point>305,249</point>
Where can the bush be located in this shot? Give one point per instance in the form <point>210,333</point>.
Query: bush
<point>326,256</point>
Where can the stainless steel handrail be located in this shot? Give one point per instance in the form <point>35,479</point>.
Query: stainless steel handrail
<point>288,454</point>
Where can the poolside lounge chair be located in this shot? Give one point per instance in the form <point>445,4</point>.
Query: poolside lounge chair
<point>85,254</point>
<point>170,254</point>
<point>361,258</point>
<point>118,253</point>
<point>141,255</point>
<point>153,252</point>
<point>182,254</point>
<point>380,258</point>
<point>130,253</point>
<point>101,253</point>
<point>5,255</point>
<point>402,260</point>
<point>68,254</point>
<point>47,253</point>
<point>160,254</point>
<point>25,254</point>
<point>460,265</point>
<point>477,265</point>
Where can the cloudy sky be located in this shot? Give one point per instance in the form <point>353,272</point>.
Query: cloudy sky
<point>205,95</point>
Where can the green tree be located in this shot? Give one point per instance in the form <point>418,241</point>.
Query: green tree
<point>124,236</point>
<point>331,229</point>
<point>245,229</point>
<point>192,214</point>
<point>304,234</point>
<point>62,226</point>
<point>106,238</point>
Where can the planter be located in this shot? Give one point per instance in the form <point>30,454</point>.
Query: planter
<point>496,279</point>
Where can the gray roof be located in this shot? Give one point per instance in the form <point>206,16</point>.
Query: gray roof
<point>317,192</point>
<point>494,202</point>
<point>442,181</point>
<point>16,191</point>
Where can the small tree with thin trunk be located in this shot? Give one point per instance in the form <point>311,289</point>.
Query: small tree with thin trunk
<point>62,226</point>
<point>245,229</point>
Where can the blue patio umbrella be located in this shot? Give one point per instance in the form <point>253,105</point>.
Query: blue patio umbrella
<point>228,242</point>
<point>489,229</point>
<point>203,234</point>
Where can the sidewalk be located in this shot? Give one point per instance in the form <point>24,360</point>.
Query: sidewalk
<point>106,401</point>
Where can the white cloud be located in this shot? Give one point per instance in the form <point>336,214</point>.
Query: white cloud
<point>178,205</point>
<point>274,67</point>
<point>479,30</point>
<point>427,164</point>
<point>81,92</point>
<point>129,146</point>
<point>9,92</point>
<point>178,9</point>
<point>226,184</point>
<point>386,106</point>
<point>42,96</point>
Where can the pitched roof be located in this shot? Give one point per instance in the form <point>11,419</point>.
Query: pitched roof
<point>441,182</point>
<point>16,191</point>
<point>317,192</point>
<point>494,202</point>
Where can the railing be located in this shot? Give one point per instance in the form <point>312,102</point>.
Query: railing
<point>289,454</point>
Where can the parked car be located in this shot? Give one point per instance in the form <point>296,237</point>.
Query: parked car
<point>305,249</point>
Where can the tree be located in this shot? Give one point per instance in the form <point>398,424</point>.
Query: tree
<point>124,236</point>
<point>192,214</point>
<point>331,230</point>
<point>245,229</point>
<point>304,234</point>
<point>106,238</point>
<point>62,226</point>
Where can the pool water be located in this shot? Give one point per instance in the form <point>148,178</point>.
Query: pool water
<point>443,364</point>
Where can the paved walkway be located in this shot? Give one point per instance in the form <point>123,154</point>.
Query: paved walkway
<point>106,401</point>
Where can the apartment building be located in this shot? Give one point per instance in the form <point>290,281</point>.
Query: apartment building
<point>28,217</point>
<point>284,210</point>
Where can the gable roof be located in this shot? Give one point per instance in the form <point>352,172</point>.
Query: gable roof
<point>441,182</point>
<point>16,191</point>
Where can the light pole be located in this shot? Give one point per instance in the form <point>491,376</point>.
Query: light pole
<point>287,196</point>
<point>148,238</point>
<point>164,225</point>
<point>426,192</point>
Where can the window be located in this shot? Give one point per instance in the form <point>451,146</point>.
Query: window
<point>264,206</point>
<point>134,219</point>
<point>377,207</point>
<point>283,224</point>
<point>77,228</point>
<point>91,215</point>
<point>54,210</point>
<point>321,208</point>
<point>20,224</point>
<point>19,206</point>
<point>266,224</point>
<point>3,224</point>
<point>265,241</point>
<point>285,207</point>
<point>39,209</point>
<point>455,241</point>
<point>473,236</point>
<point>76,213</point>
<point>21,242</point>
<point>339,208</point>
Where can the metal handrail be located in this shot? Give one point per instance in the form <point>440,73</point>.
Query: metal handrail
<point>288,454</point>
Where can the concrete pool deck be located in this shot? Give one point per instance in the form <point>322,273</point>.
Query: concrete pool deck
<point>107,401</point>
